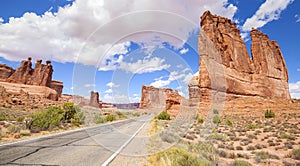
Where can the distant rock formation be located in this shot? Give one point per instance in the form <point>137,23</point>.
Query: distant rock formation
<point>41,75</point>
<point>194,93</point>
<point>94,100</point>
<point>166,98</point>
<point>226,67</point>
<point>127,106</point>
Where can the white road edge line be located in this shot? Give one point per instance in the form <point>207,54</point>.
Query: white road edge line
<point>112,157</point>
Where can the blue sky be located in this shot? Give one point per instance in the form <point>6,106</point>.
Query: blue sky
<point>114,47</point>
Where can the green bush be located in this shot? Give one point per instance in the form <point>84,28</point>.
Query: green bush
<point>240,163</point>
<point>121,115</point>
<point>269,114</point>
<point>20,119</point>
<point>110,118</point>
<point>99,119</point>
<point>13,129</point>
<point>216,119</point>
<point>229,122</point>
<point>163,116</point>
<point>70,111</point>
<point>200,120</point>
<point>78,118</point>
<point>3,117</point>
<point>48,119</point>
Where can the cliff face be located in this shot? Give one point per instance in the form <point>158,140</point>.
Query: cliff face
<point>161,98</point>
<point>41,75</point>
<point>225,65</point>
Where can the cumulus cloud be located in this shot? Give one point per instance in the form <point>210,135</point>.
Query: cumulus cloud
<point>295,90</point>
<point>184,51</point>
<point>181,77</point>
<point>91,32</point>
<point>270,10</point>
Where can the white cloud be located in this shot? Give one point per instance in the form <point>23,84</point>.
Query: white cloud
<point>145,65</point>
<point>270,10</point>
<point>1,20</point>
<point>295,90</point>
<point>66,36</point>
<point>181,77</point>
<point>111,84</point>
<point>119,98</point>
<point>183,51</point>
<point>296,16</point>
<point>89,85</point>
<point>108,91</point>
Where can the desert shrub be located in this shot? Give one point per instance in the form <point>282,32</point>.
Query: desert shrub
<point>25,132</point>
<point>70,111</point>
<point>110,118</point>
<point>206,150</point>
<point>47,119</point>
<point>269,114</point>
<point>229,122</point>
<point>200,120</point>
<point>3,117</point>
<point>284,136</point>
<point>295,154</point>
<point>215,111</point>
<point>251,147</point>
<point>13,129</point>
<point>168,136</point>
<point>216,119</point>
<point>262,155</point>
<point>240,163</point>
<point>121,115</point>
<point>20,119</point>
<point>137,114</point>
<point>78,118</point>
<point>239,148</point>
<point>177,157</point>
<point>99,119</point>
<point>196,116</point>
<point>220,137</point>
<point>163,116</point>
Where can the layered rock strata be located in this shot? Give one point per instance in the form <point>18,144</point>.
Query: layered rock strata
<point>41,75</point>
<point>227,69</point>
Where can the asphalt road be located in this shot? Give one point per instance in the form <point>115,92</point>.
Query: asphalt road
<point>89,146</point>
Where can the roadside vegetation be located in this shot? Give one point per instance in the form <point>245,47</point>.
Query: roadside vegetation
<point>237,139</point>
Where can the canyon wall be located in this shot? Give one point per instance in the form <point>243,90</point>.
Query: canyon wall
<point>226,67</point>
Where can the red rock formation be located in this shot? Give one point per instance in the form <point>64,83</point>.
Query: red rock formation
<point>41,75</point>
<point>57,86</point>
<point>5,72</point>
<point>226,67</point>
<point>23,74</point>
<point>160,98</point>
<point>94,100</point>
